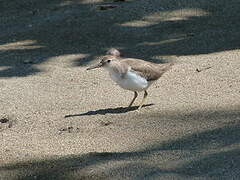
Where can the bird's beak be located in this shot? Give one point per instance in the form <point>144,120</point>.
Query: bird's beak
<point>95,66</point>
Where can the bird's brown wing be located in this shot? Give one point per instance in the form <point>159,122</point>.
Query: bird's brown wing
<point>150,71</point>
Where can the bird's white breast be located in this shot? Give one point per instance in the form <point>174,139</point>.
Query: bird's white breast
<point>130,81</point>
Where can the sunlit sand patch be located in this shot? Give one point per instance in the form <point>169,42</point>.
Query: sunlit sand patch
<point>20,45</point>
<point>161,42</point>
<point>2,68</point>
<point>65,60</point>
<point>66,3</point>
<point>176,15</point>
<point>138,23</point>
<point>70,2</point>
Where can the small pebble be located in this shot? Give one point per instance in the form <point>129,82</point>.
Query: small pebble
<point>105,123</point>
<point>4,120</point>
<point>28,62</point>
<point>69,129</point>
<point>106,7</point>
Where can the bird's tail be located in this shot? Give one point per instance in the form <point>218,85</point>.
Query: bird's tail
<point>169,65</point>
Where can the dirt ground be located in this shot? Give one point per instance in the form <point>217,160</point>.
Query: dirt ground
<point>59,121</point>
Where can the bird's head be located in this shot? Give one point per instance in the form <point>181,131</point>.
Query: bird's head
<point>108,60</point>
<point>105,62</point>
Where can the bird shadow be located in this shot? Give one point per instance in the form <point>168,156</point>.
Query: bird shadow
<point>117,110</point>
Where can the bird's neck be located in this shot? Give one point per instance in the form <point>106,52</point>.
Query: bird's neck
<point>118,68</point>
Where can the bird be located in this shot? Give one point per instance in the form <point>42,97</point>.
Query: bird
<point>130,73</point>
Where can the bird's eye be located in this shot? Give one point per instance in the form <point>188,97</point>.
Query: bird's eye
<point>109,61</point>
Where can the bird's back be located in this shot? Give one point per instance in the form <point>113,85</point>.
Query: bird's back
<point>150,71</point>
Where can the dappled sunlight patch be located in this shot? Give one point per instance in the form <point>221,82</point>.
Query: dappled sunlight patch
<point>138,23</point>
<point>66,3</point>
<point>21,45</point>
<point>3,68</point>
<point>66,60</point>
<point>90,1</point>
<point>71,2</point>
<point>176,15</point>
<point>161,42</point>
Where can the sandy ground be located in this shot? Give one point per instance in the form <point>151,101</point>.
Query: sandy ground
<point>59,121</point>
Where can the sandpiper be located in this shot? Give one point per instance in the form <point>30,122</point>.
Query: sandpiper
<point>132,74</point>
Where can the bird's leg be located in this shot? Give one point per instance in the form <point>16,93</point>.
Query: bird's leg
<point>143,100</point>
<point>135,96</point>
